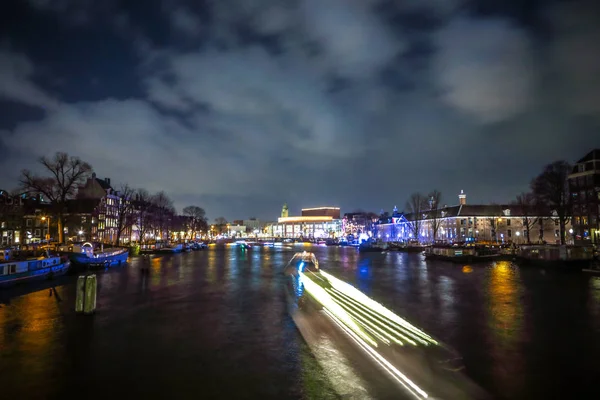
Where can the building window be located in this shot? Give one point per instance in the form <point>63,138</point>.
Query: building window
<point>509,233</point>
<point>28,222</point>
<point>508,223</point>
<point>83,220</point>
<point>37,233</point>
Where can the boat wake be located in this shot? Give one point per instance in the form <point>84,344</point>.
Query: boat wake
<point>417,365</point>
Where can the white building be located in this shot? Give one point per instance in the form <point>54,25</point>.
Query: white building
<point>463,222</point>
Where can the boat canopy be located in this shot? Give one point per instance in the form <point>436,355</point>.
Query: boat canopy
<point>305,261</point>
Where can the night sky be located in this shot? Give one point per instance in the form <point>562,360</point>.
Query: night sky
<point>241,105</point>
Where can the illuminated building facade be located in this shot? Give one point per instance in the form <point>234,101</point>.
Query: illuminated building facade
<point>11,218</point>
<point>105,214</point>
<point>465,223</point>
<point>584,185</point>
<point>358,222</point>
<point>313,223</point>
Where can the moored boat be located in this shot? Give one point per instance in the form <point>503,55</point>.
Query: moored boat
<point>173,248</point>
<point>369,246</point>
<point>84,256</point>
<point>593,269</point>
<point>14,271</point>
<point>411,248</point>
<point>464,254</point>
<point>556,256</point>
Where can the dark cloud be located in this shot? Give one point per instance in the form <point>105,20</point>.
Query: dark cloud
<point>241,105</point>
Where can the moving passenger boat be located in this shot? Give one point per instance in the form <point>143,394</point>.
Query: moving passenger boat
<point>414,361</point>
<point>14,270</point>
<point>85,256</point>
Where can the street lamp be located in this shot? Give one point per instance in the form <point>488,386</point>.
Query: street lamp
<point>571,233</point>
<point>48,230</point>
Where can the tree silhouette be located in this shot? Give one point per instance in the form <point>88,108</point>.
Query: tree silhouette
<point>551,189</point>
<point>67,174</point>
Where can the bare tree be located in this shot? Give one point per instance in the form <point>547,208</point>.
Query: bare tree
<point>416,206</point>
<point>124,209</point>
<point>163,212</point>
<point>529,211</point>
<point>220,222</point>
<point>66,175</point>
<point>434,199</point>
<point>551,190</point>
<point>197,219</point>
<point>143,213</point>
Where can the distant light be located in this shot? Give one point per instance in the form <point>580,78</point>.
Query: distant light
<point>81,232</point>
<point>571,230</point>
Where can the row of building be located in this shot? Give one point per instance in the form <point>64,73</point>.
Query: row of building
<point>93,215</point>
<point>507,223</point>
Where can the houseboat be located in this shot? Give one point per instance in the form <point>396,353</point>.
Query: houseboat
<point>14,270</point>
<point>410,248</point>
<point>173,248</point>
<point>556,256</point>
<point>84,256</point>
<point>464,254</point>
<point>371,246</point>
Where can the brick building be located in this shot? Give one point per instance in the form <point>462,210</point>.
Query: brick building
<point>584,185</point>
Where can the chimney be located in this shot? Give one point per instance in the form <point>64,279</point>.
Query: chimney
<point>107,180</point>
<point>93,175</point>
<point>462,198</point>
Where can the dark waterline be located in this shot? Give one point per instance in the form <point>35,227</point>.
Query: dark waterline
<point>213,324</point>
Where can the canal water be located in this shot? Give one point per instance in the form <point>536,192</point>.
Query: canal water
<point>213,324</point>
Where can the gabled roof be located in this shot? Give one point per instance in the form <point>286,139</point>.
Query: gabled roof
<point>592,155</point>
<point>103,184</point>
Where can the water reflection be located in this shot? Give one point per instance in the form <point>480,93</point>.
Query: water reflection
<point>224,311</point>
<point>506,311</point>
<point>505,322</point>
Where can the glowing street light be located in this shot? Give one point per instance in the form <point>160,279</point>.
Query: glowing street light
<point>44,218</point>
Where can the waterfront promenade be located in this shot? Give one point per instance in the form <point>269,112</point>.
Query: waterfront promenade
<point>213,324</point>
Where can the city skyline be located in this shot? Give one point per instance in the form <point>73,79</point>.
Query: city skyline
<point>354,104</point>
